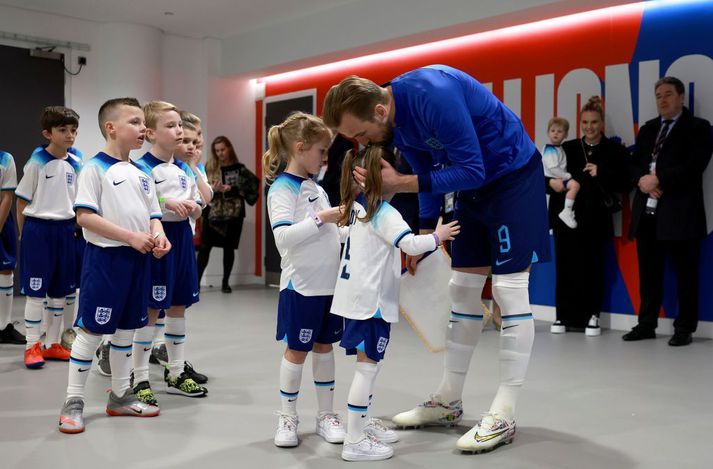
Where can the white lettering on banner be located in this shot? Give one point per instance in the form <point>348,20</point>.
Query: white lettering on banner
<point>512,96</point>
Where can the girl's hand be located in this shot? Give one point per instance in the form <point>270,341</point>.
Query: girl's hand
<point>330,215</point>
<point>448,231</point>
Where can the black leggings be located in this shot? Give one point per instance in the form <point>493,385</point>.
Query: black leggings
<point>228,260</point>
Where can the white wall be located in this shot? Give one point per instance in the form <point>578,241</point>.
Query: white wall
<point>124,60</point>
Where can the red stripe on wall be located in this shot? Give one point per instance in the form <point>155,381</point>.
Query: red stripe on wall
<point>258,172</point>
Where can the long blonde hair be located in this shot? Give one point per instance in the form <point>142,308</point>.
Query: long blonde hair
<point>370,159</point>
<point>298,127</point>
<point>212,166</point>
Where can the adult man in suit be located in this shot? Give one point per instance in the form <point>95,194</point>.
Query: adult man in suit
<point>668,217</point>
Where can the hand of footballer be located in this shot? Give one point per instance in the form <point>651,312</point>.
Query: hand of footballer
<point>163,245</point>
<point>142,242</point>
<point>177,207</point>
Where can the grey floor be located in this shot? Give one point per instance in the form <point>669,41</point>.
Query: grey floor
<point>587,403</point>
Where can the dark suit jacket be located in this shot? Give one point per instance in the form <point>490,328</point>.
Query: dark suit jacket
<point>679,167</point>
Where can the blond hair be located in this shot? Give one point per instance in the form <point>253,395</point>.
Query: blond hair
<point>154,109</point>
<point>353,95</point>
<point>189,117</point>
<point>298,127</point>
<point>368,158</point>
<point>560,121</point>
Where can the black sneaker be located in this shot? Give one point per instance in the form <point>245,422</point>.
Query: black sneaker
<point>159,355</point>
<point>190,372</point>
<point>10,335</point>
<point>185,386</point>
<point>226,288</point>
<point>199,378</point>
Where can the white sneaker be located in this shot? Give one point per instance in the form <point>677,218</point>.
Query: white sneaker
<point>558,328</point>
<point>593,329</point>
<point>431,412</point>
<point>366,449</point>
<point>567,217</point>
<point>330,427</point>
<point>380,431</point>
<point>492,431</point>
<point>286,433</point>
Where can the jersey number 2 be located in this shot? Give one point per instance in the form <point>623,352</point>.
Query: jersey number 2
<point>345,274</point>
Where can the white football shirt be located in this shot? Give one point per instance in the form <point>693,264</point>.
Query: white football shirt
<point>310,255</point>
<point>120,192</point>
<point>369,272</point>
<point>8,172</point>
<point>49,185</point>
<point>173,179</point>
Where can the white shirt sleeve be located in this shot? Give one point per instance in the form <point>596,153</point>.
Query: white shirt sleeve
<point>28,184</point>
<point>9,178</point>
<point>389,224</point>
<point>152,199</point>
<point>414,245</point>
<point>89,189</point>
<point>281,209</point>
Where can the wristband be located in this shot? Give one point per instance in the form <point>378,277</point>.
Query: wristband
<point>318,221</point>
<point>438,240</point>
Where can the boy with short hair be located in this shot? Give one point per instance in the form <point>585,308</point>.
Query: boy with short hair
<point>174,279</point>
<point>554,161</point>
<point>119,212</point>
<point>8,250</point>
<point>45,215</point>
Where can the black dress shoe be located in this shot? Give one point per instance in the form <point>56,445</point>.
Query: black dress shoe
<point>680,338</point>
<point>226,289</point>
<point>638,333</point>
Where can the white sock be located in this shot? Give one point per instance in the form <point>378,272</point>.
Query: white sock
<point>290,380</point>
<point>34,308</point>
<point>323,372</point>
<point>142,352</point>
<point>6,298</point>
<point>70,309</point>
<point>120,360</point>
<point>358,400</point>
<point>568,203</point>
<point>175,345</point>
<point>159,338</point>
<point>46,318</point>
<point>55,308</point>
<point>80,362</point>
<point>516,338</point>
<point>464,332</point>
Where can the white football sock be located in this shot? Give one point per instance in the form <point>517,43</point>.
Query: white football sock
<point>290,380</point>
<point>323,372</point>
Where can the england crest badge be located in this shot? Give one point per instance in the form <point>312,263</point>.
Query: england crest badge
<point>159,292</point>
<point>305,335</point>
<point>102,315</point>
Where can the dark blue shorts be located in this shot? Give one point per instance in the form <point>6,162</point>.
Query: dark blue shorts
<point>304,320</point>
<point>504,224</point>
<point>47,258</point>
<point>79,243</point>
<point>174,277</point>
<point>8,244</point>
<point>370,336</point>
<point>115,286</point>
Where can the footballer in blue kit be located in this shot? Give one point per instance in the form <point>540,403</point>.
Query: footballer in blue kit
<point>459,138</point>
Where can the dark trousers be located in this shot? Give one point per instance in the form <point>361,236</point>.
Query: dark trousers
<point>579,285</point>
<point>652,256</point>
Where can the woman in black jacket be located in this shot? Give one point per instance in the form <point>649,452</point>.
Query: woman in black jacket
<point>600,167</point>
<point>233,185</point>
